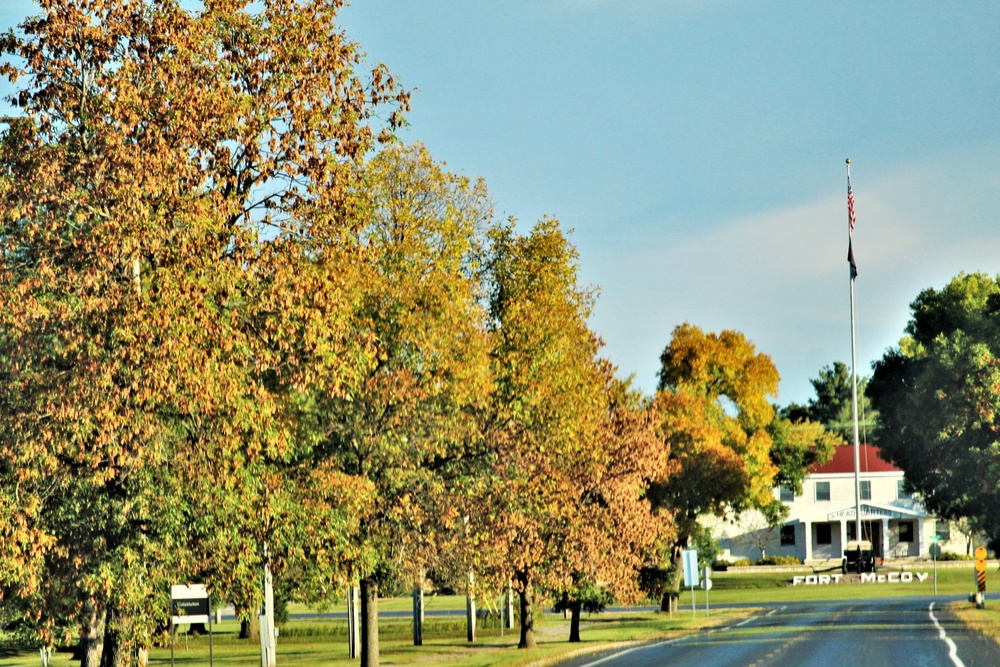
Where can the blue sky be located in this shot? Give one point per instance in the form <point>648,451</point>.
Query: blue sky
<point>697,147</point>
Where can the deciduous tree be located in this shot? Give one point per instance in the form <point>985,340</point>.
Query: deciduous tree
<point>152,330</point>
<point>617,530</point>
<point>545,413</point>
<point>713,404</point>
<point>409,420</point>
<point>796,446</point>
<point>937,394</point>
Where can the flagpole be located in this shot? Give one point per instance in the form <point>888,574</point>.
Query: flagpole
<point>854,360</point>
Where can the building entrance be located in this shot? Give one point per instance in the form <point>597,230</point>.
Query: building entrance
<point>871,531</point>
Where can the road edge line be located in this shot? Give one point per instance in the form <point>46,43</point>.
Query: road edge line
<point>952,648</point>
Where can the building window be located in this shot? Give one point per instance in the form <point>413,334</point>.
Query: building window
<point>822,491</point>
<point>785,493</point>
<point>823,533</point>
<point>942,529</point>
<point>787,535</point>
<point>901,493</point>
<point>866,490</point>
<point>905,531</point>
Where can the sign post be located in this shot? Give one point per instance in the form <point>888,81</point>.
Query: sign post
<point>268,634</point>
<point>190,604</point>
<point>354,621</point>
<point>691,573</point>
<point>706,583</point>
<point>470,609</point>
<point>935,548</point>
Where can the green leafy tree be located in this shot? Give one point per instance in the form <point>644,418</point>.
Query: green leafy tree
<point>795,448</point>
<point>937,396</point>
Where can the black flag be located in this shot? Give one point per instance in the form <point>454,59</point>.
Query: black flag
<point>850,258</point>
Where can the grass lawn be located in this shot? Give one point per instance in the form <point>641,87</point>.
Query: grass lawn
<point>737,588</point>
<point>324,641</point>
<point>985,621</point>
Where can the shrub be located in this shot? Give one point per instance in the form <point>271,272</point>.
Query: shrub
<point>742,562</point>
<point>947,555</point>
<point>780,560</point>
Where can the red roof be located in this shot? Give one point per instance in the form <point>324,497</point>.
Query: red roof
<point>843,461</point>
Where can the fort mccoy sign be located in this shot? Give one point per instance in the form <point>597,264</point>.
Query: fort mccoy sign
<point>866,578</point>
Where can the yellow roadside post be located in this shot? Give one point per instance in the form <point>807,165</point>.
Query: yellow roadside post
<point>980,570</point>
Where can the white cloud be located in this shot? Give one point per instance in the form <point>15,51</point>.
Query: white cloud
<point>781,276</point>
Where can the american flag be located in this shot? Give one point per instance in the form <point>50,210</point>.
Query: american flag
<point>850,204</point>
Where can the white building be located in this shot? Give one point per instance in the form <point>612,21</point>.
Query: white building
<point>822,519</point>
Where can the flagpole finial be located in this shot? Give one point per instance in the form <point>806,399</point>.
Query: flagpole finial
<point>848,160</point>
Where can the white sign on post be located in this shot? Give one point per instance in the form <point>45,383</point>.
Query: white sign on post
<point>190,604</point>
<point>691,567</point>
<point>691,573</point>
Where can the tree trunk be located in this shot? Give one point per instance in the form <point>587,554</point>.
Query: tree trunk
<point>91,636</point>
<point>109,653</point>
<point>418,615</point>
<point>114,653</point>
<point>527,613</point>
<point>249,625</point>
<point>673,593</point>
<point>117,651</point>
<point>574,620</point>
<point>369,623</point>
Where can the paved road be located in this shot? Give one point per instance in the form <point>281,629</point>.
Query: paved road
<point>910,632</point>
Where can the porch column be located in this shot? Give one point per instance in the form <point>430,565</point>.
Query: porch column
<point>809,540</point>
<point>843,535</point>
<point>885,537</point>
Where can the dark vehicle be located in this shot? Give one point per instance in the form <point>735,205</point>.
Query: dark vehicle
<point>858,557</point>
